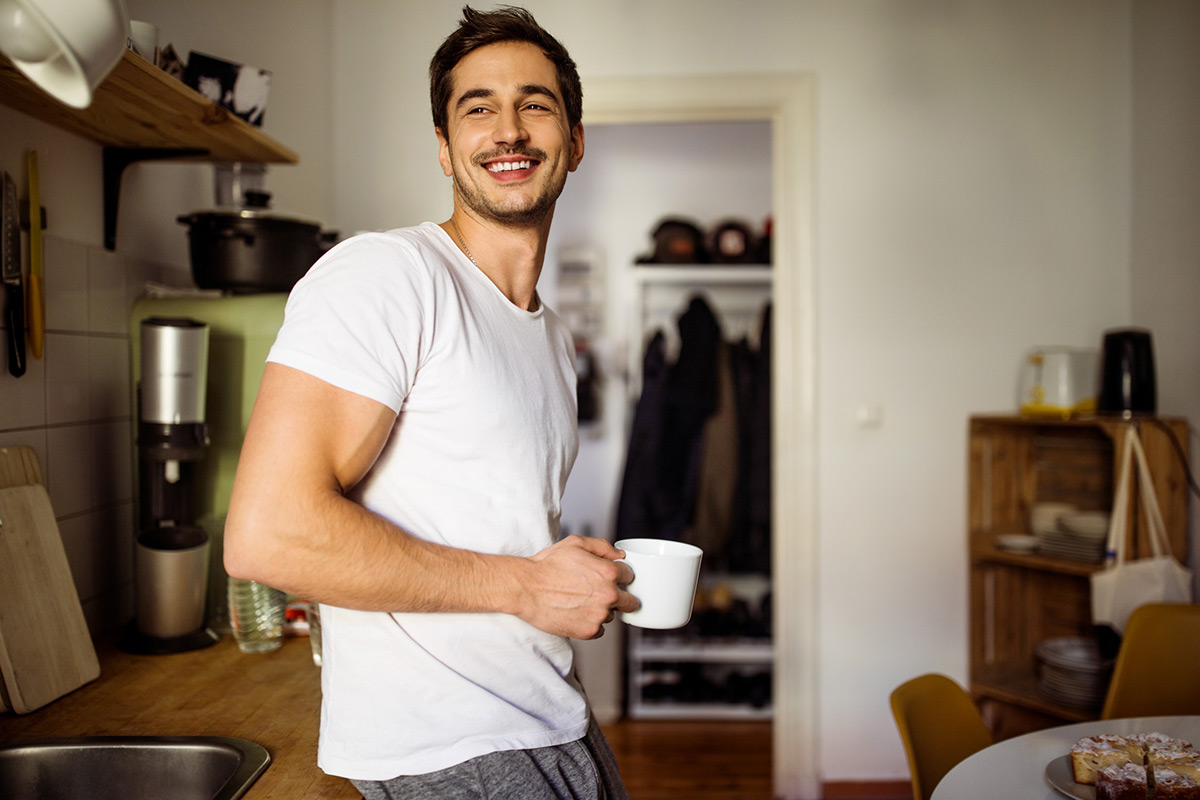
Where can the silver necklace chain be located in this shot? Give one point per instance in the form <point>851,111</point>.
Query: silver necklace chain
<point>466,249</point>
<point>537,301</point>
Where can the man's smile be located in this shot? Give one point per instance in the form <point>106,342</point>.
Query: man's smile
<point>512,164</point>
<point>508,166</point>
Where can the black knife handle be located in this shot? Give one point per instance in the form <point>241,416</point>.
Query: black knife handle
<point>14,319</point>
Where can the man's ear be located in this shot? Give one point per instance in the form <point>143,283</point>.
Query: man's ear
<point>576,147</point>
<point>444,153</point>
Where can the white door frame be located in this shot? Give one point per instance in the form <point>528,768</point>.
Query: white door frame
<point>788,103</point>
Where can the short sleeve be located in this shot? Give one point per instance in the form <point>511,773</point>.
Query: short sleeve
<point>355,320</point>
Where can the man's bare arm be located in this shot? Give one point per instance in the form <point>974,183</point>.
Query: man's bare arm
<point>290,526</point>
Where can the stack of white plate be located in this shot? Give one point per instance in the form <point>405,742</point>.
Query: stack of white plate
<point>1072,672</point>
<point>1078,536</point>
<point>1017,542</point>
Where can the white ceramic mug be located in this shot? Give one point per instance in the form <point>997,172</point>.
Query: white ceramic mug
<point>664,580</point>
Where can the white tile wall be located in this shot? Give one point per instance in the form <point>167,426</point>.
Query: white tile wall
<point>73,406</point>
<point>23,400</point>
<point>68,394</point>
<point>66,286</point>
<point>108,297</point>
<point>108,377</point>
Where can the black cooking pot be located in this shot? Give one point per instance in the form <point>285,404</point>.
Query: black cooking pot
<point>252,249</point>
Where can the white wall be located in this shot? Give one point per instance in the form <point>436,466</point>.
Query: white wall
<point>1166,197</point>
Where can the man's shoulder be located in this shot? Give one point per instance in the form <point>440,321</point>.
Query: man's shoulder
<point>416,239</point>
<point>410,251</point>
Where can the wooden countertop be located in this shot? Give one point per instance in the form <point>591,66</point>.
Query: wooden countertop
<point>273,699</point>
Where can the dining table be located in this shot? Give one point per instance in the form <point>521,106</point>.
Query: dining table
<point>1037,766</point>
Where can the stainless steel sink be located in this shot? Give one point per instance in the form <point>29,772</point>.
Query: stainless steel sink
<point>130,768</point>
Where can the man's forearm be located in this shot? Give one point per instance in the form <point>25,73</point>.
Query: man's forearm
<point>332,550</point>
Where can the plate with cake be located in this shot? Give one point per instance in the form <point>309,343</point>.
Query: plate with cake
<point>1140,766</point>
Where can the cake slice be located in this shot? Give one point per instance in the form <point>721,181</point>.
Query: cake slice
<point>1169,784</point>
<point>1172,752</point>
<point>1146,742</point>
<point>1094,753</point>
<point>1122,782</point>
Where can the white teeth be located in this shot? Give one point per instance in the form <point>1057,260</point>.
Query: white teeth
<point>508,166</point>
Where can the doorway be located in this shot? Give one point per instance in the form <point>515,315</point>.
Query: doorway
<point>787,103</point>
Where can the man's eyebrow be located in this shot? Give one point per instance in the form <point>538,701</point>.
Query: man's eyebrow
<point>482,93</point>
<point>537,88</point>
<point>473,94</point>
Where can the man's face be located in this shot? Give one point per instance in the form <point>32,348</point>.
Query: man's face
<point>508,145</point>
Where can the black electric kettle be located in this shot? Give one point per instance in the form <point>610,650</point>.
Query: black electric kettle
<point>1127,382</point>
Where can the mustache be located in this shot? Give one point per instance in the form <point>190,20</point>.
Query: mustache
<point>524,152</point>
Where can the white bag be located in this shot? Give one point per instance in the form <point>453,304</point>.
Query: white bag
<point>1124,585</point>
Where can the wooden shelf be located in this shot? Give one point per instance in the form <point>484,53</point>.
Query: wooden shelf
<point>1018,599</point>
<point>1016,462</point>
<point>141,107</point>
<point>141,113</point>
<point>1017,685</point>
<point>984,550</point>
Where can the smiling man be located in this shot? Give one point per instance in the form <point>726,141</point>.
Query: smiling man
<point>407,454</point>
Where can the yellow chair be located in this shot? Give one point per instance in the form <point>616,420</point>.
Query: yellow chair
<point>940,725</point>
<point>1158,666</point>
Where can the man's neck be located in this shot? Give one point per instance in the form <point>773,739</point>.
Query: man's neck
<point>511,257</point>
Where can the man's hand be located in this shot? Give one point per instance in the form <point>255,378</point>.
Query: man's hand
<point>573,588</point>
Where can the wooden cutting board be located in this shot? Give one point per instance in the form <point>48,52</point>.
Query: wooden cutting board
<point>18,466</point>
<point>45,648</point>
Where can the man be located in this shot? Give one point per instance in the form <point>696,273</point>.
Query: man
<point>407,453</point>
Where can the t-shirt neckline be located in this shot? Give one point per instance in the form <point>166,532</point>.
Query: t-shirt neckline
<point>480,275</point>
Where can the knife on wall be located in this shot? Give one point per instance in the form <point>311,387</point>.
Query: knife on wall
<point>35,303</point>
<point>10,272</point>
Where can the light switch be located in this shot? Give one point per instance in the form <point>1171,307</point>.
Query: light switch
<point>869,415</point>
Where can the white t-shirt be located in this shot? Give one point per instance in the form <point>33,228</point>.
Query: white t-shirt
<point>484,439</point>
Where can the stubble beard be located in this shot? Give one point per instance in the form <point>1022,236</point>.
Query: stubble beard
<point>524,215</point>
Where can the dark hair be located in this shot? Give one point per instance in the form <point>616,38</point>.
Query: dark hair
<point>504,24</point>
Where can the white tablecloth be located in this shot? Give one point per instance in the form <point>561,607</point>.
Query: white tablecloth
<point>1015,768</point>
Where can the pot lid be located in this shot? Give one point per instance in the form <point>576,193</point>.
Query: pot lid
<point>236,212</point>
<point>257,207</point>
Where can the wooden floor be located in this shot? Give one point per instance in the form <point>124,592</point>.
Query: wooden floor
<point>662,760</point>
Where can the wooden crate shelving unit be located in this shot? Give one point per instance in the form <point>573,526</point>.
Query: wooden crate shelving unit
<point>1018,600</point>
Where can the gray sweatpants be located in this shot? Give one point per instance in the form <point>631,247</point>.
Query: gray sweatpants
<point>581,770</point>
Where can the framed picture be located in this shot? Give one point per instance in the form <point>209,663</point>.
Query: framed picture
<point>240,88</point>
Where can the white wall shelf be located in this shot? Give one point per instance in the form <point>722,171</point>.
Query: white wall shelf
<point>748,651</point>
<point>704,273</point>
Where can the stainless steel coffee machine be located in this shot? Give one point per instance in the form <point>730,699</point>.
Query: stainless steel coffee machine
<point>172,554</point>
<point>172,432</point>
